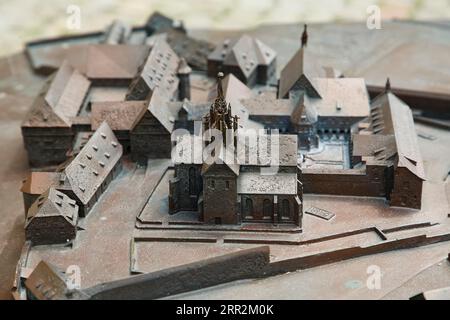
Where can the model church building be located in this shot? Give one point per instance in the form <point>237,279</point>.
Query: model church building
<point>231,189</point>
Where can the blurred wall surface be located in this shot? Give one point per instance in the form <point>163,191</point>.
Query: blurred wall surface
<point>24,20</point>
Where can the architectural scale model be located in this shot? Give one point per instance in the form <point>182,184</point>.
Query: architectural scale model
<point>125,162</point>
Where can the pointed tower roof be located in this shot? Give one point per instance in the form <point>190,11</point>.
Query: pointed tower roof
<point>305,36</point>
<point>387,88</point>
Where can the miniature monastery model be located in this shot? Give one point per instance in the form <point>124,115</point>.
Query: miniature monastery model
<point>313,109</point>
<point>123,103</point>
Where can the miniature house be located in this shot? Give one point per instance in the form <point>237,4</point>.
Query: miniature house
<point>46,283</point>
<point>392,123</point>
<point>158,71</point>
<point>62,110</point>
<point>249,59</point>
<point>93,169</point>
<point>47,131</point>
<point>52,219</point>
<point>151,131</point>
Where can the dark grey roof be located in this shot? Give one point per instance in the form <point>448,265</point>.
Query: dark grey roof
<point>60,99</point>
<point>53,203</point>
<point>246,52</point>
<point>158,71</point>
<point>88,170</point>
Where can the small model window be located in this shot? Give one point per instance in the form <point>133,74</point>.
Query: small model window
<point>227,185</point>
<point>267,209</point>
<point>248,209</point>
<point>192,182</point>
<point>213,184</point>
<point>285,209</point>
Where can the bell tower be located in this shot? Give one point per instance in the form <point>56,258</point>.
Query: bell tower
<point>220,116</point>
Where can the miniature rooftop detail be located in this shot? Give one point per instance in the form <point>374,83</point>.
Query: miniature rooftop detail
<point>60,100</point>
<point>120,115</point>
<point>300,71</point>
<point>391,116</point>
<point>249,59</point>
<point>53,203</point>
<point>87,172</point>
<point>157,72</point>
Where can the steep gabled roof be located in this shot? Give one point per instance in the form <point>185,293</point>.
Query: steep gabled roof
<point>264,53</point>
<point>302,64</point>
<point>160,108</point>
<point>60,99</point>
<point>158,71</point>
<point>391,116</point>
<point>223,158</point>
<point>88,170</point>
<point>53,203</point>
<point>246,52</point>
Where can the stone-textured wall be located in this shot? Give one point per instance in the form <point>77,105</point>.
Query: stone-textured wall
<point>149,140</point>
<point>219,198</point>
<point>47,146</point>
<point>407,191</point>
<point>356,182</point>
<point>185,188</point>
<point>50,230</point>
<point>244,264</point>
<point>273,212</point>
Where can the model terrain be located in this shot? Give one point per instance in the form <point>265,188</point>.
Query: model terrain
<point>128,177</point>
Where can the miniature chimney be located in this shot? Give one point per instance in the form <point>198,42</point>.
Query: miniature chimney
<point>305,36</point>
<point>388,86</point>
<point>184,86</point>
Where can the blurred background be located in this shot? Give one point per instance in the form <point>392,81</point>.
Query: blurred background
<point>25,20</point>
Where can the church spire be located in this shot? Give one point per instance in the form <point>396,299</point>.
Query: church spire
<point>220,94</point>
<point>305,36</point>
<point>220,116</point>
<point>387,88</point>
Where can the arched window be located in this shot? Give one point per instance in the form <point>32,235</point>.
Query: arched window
<point>267,209</point>
<point>192,182</point>
<point>285,209</point>
<point>248,209</point>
